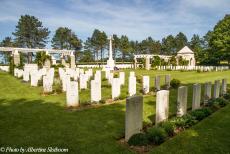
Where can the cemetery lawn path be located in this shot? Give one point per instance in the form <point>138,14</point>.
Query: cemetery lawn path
<point>29,119</point>
<point>209,136</point>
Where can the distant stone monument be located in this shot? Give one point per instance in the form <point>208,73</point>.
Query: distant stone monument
<point>110,62</point>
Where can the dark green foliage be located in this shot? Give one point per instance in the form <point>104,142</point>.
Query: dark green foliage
<point>116,75</point>
<point>138,139</point>
<point>22,61</point>
<point>30,33</point>
<point>41,57</point>
<point>139,79</point>
<point>102,101</point>
<point>196,46</point>
<point>121,97</point>
<point>200,114</point>
<point>227,96</point>
<point>57,86</point>
<point>173,61</point>
<point>183,122</point>
<point>86,56</point>
<point>182,62</point>
<point>156,135</point>
<point>11,67</point>
<point>97,43</point>
<point>219,41</point>
<point>40,83</point>
<point>7,42</point>
<point>65,38</point>
<point>221,102</point>
<point>57,66</point>
<point>124,46</point>
<point>175,83</point>
<point>156,61</point>
<point>168,127</point>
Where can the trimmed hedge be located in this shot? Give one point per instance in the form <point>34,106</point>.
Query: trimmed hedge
<point>138,139</point>
<point>175,83</point>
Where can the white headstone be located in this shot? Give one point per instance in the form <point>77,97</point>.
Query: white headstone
<point>132,85</point>
<point>196,96</point>
<point>95,90</point>
<point>116,88</point>
<point>47,86</point>
<point>122,77</point>
<point>145,84</point>
<point>182,98</point>
<point>72,96</point>
<point>162,106</point>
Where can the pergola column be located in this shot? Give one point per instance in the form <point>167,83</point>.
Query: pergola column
<point>47,62</point>
<point>147,63</point>
<point>135,62</point>
<point>16,57</point>
<point>62,59</point>
<point>72,61</point>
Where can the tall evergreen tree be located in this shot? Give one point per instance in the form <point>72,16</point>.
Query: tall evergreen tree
<point>65,38</point>
<point>168,45</point>
<point>30,33</point>
<point>116,44</point>
<point>196,46</point>
<point>125,46</point>
<point>7,42</point>
<point>181,41</point>
<point>98,42</point>
<point>150,46</point>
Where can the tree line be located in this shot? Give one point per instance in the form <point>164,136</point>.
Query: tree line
<point>210,49</point>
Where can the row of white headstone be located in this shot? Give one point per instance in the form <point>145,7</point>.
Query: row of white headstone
<point>194,68</point>
<point>115,82</point>
<point>33,74</point>
<point>134,105</point>
<point>146,83</point>
<point>95,91</point>
<point>5,68</point>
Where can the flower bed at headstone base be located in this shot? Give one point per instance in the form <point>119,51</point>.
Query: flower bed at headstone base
<point>152,136</point>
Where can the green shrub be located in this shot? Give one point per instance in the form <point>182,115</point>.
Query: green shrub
<point>200,114</point>
<point>121,97</point>
<point>102,101</point>
<point>104,79</point>
<point>184,121</point>
<point>227,96</point>
<point>198,71</point>
<point>40,83</point>
<point>115,75</point>
<point>156,135</point>
<point>218,101</point>
<point>175,83</point>
<point>139,79</point>
<point>57,86</point>
<point>168,127</point>
<point>211,102</point>
<point>138,139</point>
<point>222,102</point>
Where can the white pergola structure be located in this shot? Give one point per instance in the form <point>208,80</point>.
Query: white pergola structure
<point>16,56</point>
<point>188,55</point>
<point>185,53</point>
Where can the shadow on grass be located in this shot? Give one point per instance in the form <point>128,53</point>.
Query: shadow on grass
<point>38,123</point>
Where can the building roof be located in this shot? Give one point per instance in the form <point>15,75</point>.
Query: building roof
<point>185,50</point>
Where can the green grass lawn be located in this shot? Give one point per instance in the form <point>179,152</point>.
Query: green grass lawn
<point>31,119</point>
